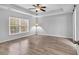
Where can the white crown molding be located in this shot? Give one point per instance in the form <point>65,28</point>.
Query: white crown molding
<point>15,10</point>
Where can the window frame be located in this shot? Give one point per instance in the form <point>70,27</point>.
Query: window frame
<point>20,19</point>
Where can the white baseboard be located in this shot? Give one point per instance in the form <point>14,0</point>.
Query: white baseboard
<point>55,35</point>
<point>14,39</point>
<point>33,34</point>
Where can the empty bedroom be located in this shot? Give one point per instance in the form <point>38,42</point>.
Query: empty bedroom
<point>39,29</point>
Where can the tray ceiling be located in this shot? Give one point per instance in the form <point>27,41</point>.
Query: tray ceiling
<point>50,8</point>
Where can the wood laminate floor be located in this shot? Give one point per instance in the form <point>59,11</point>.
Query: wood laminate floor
<point>38,45</point>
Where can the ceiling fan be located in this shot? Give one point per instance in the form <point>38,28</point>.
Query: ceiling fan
<point>38,7</point>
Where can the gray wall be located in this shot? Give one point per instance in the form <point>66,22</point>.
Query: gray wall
<point>4,22</point>
<point>57,25</point>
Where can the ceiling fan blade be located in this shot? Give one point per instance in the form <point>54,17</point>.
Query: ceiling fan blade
<point>42,10</point>
<point>34,5</point>
<point>43,7</point>
<point>38,4</point>
<point>36,10</point>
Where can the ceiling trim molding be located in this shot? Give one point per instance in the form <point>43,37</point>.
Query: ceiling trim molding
<point>11,8</point>
<point>19,9</point>
<point>56,14</point>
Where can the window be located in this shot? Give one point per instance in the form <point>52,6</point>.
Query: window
<point>18,25</point>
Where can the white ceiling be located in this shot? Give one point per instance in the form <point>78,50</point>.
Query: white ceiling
<point>50,8</point>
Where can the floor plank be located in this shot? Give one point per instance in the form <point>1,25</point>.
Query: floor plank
<point>38,45</point>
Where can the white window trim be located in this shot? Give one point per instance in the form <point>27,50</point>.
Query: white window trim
<point>19,27</point>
